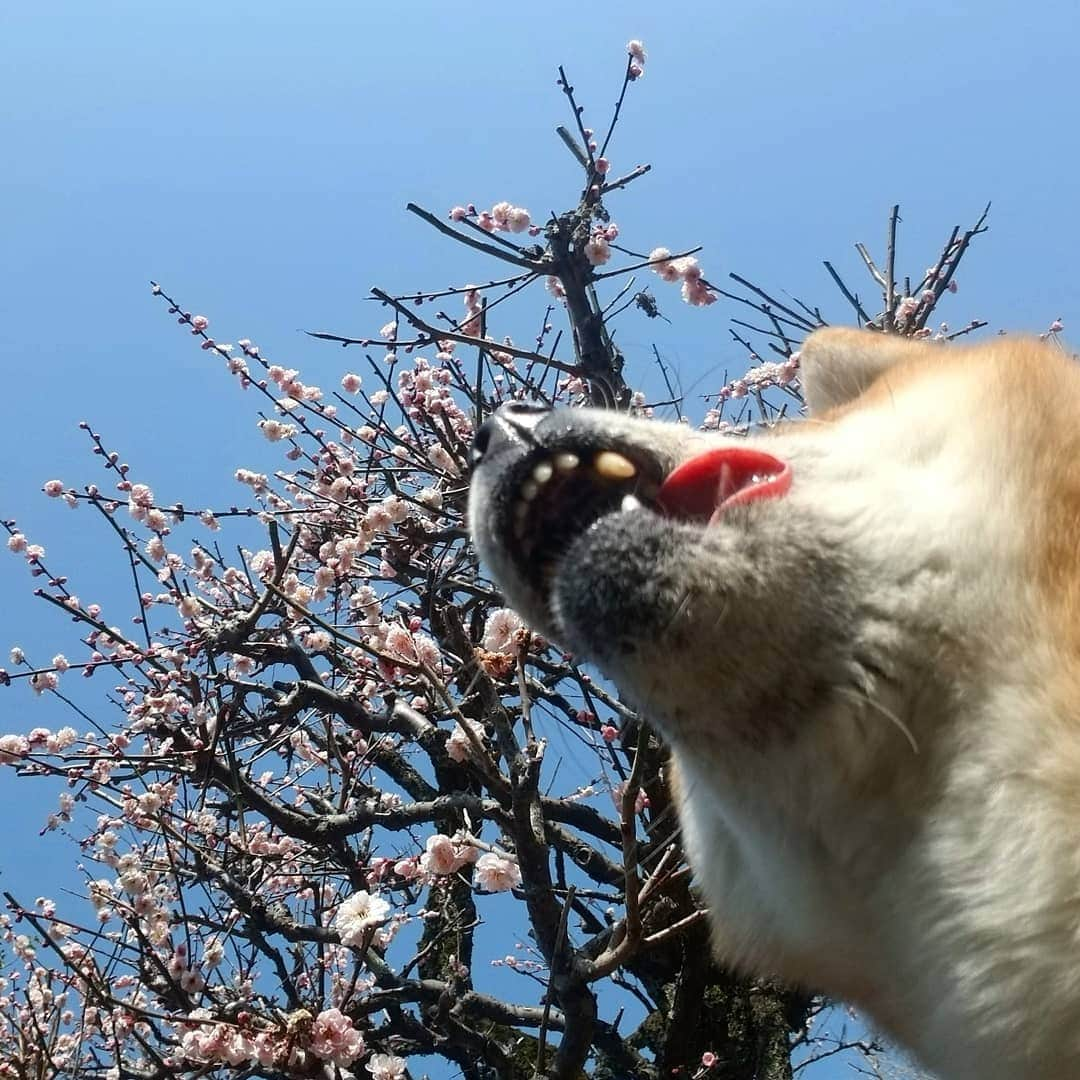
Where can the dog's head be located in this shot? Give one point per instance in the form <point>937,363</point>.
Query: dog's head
<point>861,635</point>
<point>733,586</point>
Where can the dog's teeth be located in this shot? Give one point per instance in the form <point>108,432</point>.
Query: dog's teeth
<point>542,472</point>
<point>613,466</point>
<point>631,502</point>
<point>529,490</point>
<point>566,462</point>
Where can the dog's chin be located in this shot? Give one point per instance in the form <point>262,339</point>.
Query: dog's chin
<point>609,592</point>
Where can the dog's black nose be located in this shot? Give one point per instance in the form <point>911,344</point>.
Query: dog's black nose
<point>513,422</point>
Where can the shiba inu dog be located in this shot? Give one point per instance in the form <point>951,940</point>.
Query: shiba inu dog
<point>860,634</point>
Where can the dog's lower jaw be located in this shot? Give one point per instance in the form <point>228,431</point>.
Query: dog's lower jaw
<point>689,623</point>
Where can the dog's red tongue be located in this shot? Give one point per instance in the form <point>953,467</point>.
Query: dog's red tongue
<point>702,488</point>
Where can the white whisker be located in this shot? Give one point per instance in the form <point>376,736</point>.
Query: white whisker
<point>863,697</point>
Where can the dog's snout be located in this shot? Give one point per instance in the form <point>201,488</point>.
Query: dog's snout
<point>512,423</point>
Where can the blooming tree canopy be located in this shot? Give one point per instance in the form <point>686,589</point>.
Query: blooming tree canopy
<point>341,812</point>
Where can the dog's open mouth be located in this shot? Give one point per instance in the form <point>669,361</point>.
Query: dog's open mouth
<point>560,494</point>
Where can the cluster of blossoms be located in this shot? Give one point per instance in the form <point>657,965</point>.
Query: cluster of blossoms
<point>909,307</point>
<point>13,747</point>
<point>760,377</point>
<point>275,430</point>
<point>446,855</point>
<point>55,490</point>
<point>524,964</point>
<point>472,324</point>
<point>502,217</point>
<point>598,247</point>
<point>288,383</point>
<point>695,290</point>
<point>933,274</point>
<point>443,855</point>
<point>328,1037</point>
<point>18,544</point>
<point>44,1004</point>
<point>347,515</point>
<point>637,58</point>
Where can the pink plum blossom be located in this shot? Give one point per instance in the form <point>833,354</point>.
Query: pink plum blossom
<point>275,430</point>
<point>13,747</point>
<point>45,680</point>
<point>439,856</point>
<point>501,631</point>
<point>906,308</point>
<point>597,250</point>
<point>359,914</point>
<point>662,264</point>
<point>459,746</point>
<point>386,1067</point>
<point>445,855</point>
<point>518,219</point>
<point>334,1039</point>
<point>696,293</point>
<point>496,873</point>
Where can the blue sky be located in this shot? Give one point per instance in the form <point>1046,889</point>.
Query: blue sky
<point>256,159</point>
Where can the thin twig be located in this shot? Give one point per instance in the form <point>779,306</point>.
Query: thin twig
<point>890,272</point>
<point>851,298</point>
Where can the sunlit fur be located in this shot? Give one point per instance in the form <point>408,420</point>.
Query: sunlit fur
<point>871,688</point>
